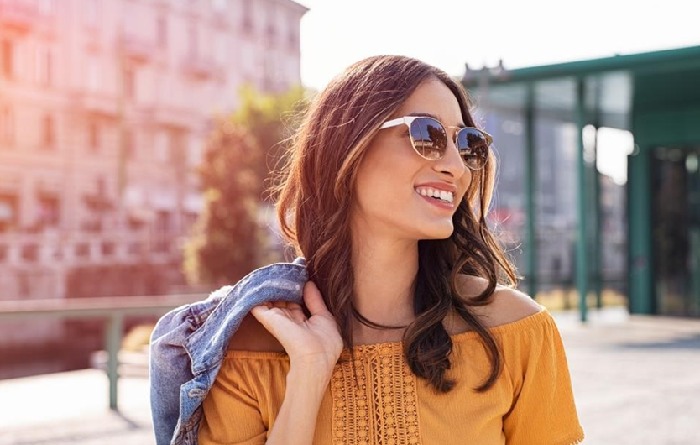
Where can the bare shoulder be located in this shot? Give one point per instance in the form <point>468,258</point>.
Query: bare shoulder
<point>252,336</point>
<point>507,304</point>
<point>510,305</point>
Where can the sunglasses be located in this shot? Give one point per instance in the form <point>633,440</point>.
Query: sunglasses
<point>429,140</point>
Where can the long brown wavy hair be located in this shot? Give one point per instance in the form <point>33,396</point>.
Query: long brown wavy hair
<point>316,196</point>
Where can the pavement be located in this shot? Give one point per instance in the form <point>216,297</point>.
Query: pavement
<point>636,381</point>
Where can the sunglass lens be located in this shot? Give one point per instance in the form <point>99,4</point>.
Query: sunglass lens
<point>429,138</point>
<point>473,146</point>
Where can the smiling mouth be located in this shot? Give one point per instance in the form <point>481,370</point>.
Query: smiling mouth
<point>439,195</point>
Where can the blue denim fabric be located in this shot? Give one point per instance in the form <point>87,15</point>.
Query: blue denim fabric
<point>188,345</point>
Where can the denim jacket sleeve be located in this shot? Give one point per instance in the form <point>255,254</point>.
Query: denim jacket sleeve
<point>170,365</point>
<point>188,345</point>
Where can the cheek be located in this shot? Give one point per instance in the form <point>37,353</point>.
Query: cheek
<point>465,182</point>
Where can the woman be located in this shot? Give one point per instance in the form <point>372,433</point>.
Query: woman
<point>407,334</point>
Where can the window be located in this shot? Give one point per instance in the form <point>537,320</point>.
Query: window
<point>293,37</point>
<point>94,136</point>
<point>129,83</point>
<point>49,133</point>
<point>92,71</point>
<point>7,126</point>
<point>220,49</point>
<point>177,148</point>
<point>163,220</point>
<point>162,30</point>
<point>30,252</point>
<point>9,212</point>
<point>161,147</point>
<point>128,144</point>
<point>194,152</point>
<point>247,17</point>
<point>8,55</point>
<point>48,68</point>
<point>44,66</point>
<point>271,32</point>
<point>48,211</point>
<point>193,40</point>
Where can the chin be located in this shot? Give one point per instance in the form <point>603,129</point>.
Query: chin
<point>438,232</point>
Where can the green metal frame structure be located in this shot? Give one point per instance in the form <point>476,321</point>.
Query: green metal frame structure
<point>111,310</point>
<point>654,95</point>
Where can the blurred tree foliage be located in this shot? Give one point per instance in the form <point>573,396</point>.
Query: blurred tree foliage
<point>224,242</point>
<point>244,148</point>
<point>271,119</point>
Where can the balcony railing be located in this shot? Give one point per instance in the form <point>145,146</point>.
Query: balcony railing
<point>96,103</point>
<point>136,48</point>
<point>57,249</point>
<point>175,116</point>
<point>200,67</point>
<point>20,15</point>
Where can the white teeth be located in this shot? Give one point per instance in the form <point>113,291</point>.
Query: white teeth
<point>443,195</point>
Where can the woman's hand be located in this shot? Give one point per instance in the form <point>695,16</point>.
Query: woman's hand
<point>313,342</point>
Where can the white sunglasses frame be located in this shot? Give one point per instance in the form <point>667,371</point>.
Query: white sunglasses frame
<point>407,120</point>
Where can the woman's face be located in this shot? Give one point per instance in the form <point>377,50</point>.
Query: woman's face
<point>393,180</point>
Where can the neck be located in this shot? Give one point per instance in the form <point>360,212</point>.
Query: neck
<point>385,272</point>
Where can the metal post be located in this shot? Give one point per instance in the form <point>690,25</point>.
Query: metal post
<point>596,254</point>
<point>530,190</point>
<point>640,237</point>
<point>581,241</point>
<point>114,335</point>
<point>596,257</point>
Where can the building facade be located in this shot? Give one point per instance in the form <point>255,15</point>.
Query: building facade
<point>105,107</point>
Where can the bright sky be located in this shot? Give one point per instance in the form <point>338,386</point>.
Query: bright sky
<point>450,33</point>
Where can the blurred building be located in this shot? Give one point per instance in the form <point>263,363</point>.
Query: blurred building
<point>104,110</point>
<point>640,230</point>
<point>554,200</point>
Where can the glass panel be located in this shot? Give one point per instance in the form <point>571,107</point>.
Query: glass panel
<point>502,107</point>
<point>613,99</point>
<point>507,214</point>
<point>676,230</point>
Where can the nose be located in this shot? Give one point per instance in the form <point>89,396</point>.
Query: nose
<point>452,163</point>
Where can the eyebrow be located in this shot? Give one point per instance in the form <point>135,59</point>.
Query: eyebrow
<point>423,114</point>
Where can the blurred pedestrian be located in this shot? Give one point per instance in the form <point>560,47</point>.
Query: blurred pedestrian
<point>399,323</point>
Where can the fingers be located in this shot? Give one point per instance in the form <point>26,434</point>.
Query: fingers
<point>261,313</point>
<point>277,310</point>
<point>296,313</point>
<point>313,299</point>
<point>268,313</point>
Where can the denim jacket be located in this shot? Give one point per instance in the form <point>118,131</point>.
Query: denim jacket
<point>188,345</point>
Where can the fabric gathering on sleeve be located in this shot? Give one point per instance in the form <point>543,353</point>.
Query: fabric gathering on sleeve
<point>543,410</point>
<point>236,408</point>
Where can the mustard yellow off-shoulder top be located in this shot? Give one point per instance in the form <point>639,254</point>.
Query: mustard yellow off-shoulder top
<point>530,404</point>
